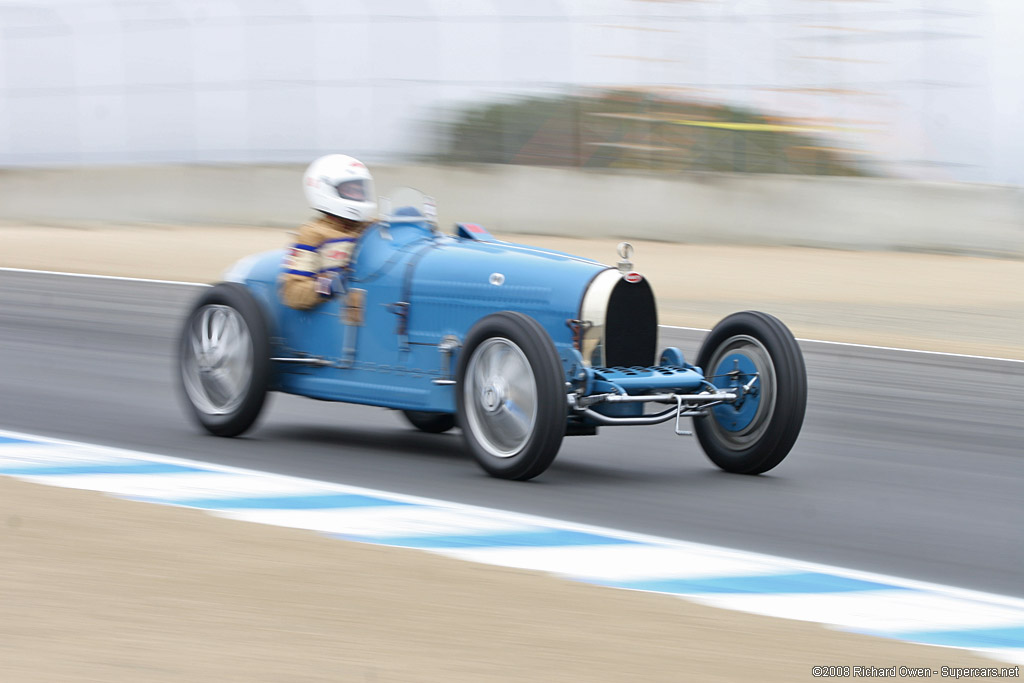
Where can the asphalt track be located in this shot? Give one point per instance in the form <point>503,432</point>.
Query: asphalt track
<point>909,464</point>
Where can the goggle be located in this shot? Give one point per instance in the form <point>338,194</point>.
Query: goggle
<point>352,189</point>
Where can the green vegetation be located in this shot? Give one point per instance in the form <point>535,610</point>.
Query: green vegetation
<point>630,130</point>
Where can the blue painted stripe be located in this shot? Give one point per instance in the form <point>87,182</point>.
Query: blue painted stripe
<point>1009,636</point>
<point>317,502</point>
<point>303,273</point>
<point>127,467</point>
<point>543,538</point>
<point>802,582</point>
<point>11,439</point>
<point>340,239</point>
<point>305,247</point>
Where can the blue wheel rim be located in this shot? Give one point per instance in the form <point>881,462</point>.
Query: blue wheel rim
<point>735,417</point>
<point>739,361</point>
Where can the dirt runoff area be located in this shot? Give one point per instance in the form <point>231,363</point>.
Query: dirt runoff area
<point>94,588</point>
<point>100,589</point>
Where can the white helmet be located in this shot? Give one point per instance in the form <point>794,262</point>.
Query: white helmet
<point>341,186</point>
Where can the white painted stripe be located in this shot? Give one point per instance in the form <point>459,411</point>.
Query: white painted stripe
<point>411,520</point>
<point>881,610</point>
<point>47,455</point>
<point>664,327</point>
<point>869,346</point>
<point>621,562</point>
<point>185,485</point>
<point>1013,655</point>
<point>931,353</point>
<point>104,277</point>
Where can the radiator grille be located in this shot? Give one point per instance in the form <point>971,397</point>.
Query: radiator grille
<point>632,325</point>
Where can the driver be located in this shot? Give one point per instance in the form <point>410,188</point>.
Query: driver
<point>341,189</point>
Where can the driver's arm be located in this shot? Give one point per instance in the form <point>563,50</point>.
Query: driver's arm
<point>301,267</point>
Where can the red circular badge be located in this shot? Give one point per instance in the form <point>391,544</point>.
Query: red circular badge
<point>633,277</point>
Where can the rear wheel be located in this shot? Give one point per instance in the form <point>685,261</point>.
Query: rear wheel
<point>511,396</point>
<point>224,360</point>
<point>432,423</point>
<point>754,355</point>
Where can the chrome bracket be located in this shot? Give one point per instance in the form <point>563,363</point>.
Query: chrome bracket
<point>306,360</point>
<point>448,346</point>
<point>686,405</point>
<point>679,414</point>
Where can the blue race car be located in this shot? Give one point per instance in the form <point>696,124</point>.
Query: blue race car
<point>517,346</point>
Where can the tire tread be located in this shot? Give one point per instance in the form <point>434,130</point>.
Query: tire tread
<point>791,401</point>
<point>535,342</point>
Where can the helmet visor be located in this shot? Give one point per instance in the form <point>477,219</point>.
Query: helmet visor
<point>356,190</point>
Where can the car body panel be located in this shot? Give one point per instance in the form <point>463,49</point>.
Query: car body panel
<point>448,283</point>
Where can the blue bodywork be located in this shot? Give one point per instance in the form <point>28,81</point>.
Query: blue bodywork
<point>423,288</point>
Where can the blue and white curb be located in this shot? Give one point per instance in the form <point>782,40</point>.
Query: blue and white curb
<point>844,599</point>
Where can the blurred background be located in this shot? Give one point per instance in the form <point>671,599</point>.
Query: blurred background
<point>165,139</point>
<point>694,97</point>
<point>850,87</point>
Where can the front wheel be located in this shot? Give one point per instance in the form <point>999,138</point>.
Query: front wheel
<point>511,402</point>
<point>224,360</point>
<point>754,355</point>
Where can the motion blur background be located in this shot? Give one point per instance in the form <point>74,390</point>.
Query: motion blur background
<point>680,96</point>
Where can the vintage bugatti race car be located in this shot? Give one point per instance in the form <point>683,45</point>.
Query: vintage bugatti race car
<point>517,346</point>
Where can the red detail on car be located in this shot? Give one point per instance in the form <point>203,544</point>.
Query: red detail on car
<point>633,277</point>
<point>473,227</point>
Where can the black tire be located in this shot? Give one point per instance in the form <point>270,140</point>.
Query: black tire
<point>757,440</point>
<point>226,388</point>
<point>432,423</point>
<point>509,370</point>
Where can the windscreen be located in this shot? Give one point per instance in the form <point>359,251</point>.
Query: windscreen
<point>405,204</point>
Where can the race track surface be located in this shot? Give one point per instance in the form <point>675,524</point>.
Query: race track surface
<point>909,464</point>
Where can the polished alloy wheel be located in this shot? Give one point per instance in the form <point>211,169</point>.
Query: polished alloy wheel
<point>217,360</point>
<point>500,397</point>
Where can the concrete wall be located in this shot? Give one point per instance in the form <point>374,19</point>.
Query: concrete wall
<point>848,213</point>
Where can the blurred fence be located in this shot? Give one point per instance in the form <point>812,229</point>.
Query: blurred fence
<point>636,129</point>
